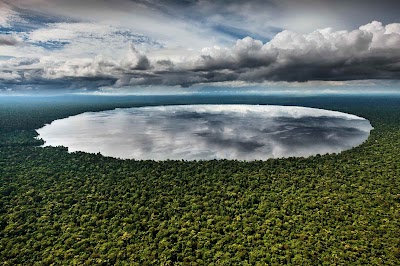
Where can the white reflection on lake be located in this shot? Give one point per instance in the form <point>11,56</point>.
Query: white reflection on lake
<point>203,132</point>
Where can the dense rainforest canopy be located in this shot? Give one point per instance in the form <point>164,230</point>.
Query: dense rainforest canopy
<point>58,208</point>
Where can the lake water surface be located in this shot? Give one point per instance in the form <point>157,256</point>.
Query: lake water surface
<point>204,132</point>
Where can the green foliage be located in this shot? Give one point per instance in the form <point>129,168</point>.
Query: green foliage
<point>85,209</point>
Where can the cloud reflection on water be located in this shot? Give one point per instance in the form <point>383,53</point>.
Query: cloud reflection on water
<point>195,132</point>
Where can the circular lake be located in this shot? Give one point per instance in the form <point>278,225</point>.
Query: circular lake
<point>204,132</point>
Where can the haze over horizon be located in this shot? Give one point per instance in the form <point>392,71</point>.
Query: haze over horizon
<point>126,46</point>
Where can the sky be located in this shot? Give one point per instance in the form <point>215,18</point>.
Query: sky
<point>122,45</point>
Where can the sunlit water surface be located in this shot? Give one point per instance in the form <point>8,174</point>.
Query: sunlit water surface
<point>204,132</point>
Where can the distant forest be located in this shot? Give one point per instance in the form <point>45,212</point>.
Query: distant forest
<point>60,208</point>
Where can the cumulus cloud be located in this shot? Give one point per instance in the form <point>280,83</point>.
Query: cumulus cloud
<point>99,67</point>
<point>369,52</point>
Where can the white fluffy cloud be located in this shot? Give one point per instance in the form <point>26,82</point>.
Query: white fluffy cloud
<point>370,52</point>
<point>98,67</point>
